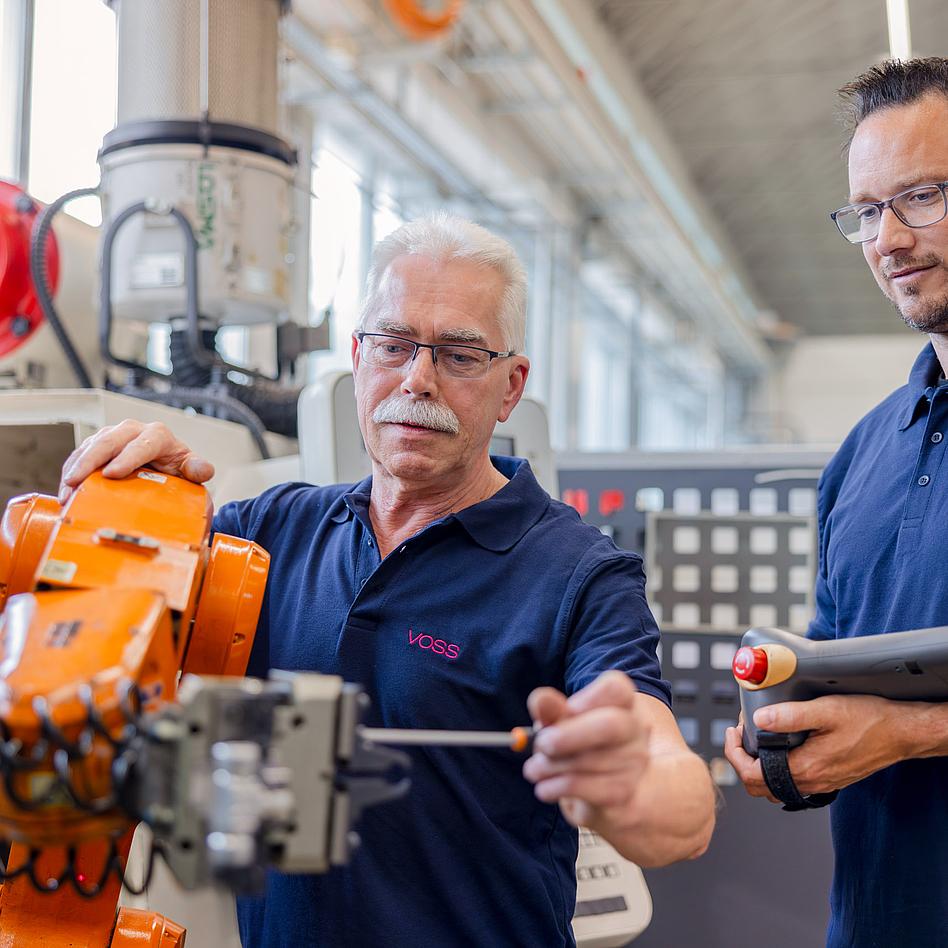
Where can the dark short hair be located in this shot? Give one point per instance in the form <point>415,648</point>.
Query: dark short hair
<point>889,84</point>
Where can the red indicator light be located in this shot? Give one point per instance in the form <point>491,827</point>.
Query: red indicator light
<point>611,501</point>
<point>750,665</point>
<point>578,498</point>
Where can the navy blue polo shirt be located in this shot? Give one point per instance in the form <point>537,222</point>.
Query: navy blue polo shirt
<point>883,513</point>
<point>452,630</point>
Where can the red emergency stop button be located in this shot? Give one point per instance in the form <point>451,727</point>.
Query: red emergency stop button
<point>750,664</point>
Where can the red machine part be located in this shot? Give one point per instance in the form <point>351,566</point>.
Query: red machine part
<point>611,501</point>
<point>750,664</point>
<point>20,311</point>
<point>578,498</point>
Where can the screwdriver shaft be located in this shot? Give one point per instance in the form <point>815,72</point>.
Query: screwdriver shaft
<point>515,739</point>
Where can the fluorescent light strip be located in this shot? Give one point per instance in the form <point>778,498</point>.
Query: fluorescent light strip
<point>900,34</point>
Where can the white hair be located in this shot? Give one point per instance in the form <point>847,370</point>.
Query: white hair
<point>443,236</point>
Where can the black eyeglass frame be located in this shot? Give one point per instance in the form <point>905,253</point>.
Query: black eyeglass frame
<point>882,205</point>
<point>434,349</point>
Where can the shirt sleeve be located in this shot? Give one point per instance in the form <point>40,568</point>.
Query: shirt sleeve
<point>229,518</point>
<point>613,627</point>
<point>252,519</point>
<point>823,623</point>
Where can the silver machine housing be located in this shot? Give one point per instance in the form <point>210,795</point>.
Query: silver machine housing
<point>197,130</point>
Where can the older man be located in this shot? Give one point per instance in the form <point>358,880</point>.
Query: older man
<point>883,510</point>
<point>455,590</point>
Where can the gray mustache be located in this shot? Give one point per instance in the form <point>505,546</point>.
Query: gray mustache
<point>404,410</point>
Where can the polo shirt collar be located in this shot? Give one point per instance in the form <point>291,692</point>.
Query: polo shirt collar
<point>499,522</point>
<point>354,501</point>
<point>496,524</point>
<point>922,378</point>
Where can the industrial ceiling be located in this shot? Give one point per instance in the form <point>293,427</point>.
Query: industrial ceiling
<point>694,143</point>
<point>746,90</point>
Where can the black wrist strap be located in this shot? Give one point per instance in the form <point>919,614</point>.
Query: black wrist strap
<point>779,780</point>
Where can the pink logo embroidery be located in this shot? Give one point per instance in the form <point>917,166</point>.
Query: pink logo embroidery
<point>430,643</point>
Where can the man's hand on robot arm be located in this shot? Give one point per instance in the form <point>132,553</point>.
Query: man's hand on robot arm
<point>104,601</point>
<point>850,737</point>
<point>120,449</point>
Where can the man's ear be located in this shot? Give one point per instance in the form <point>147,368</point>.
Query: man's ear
<point>516,383</point>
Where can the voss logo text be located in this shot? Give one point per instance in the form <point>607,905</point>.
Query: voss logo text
<point>431,644</point>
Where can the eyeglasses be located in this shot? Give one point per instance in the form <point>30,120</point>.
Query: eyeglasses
<point>458,362</point>
<point>916,207</point>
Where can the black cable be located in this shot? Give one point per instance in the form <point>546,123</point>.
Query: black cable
<point>157,849</point>
<point>97,725</point>
<point>90,892</point>
<point>19,871</point>
<point>94,805</point>
<point>185,369</point>
<point>194,397</point>
<point>275,405</point>
<point>105,281</point>
<point>49,885</point>
<point>112,864</point>
<point>66,753</point>
<point>40,274</point>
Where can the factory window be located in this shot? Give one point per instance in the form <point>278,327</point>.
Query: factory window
<point>336,255</point>
<point>671,415</point>
<point>73,98</point>
<point>385,218</point>
<point>10,31</point>
<point>603,384</point>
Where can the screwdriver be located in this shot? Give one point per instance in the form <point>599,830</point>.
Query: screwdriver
<point>519,739</point>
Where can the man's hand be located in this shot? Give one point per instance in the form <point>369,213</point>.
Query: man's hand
<point>851,737</point>
<point>120,449</point>
<point>616,762</point>
<point>592,749</point>
<point>747,768</point>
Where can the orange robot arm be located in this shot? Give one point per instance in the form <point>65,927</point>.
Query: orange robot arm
<point>105,602</point>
